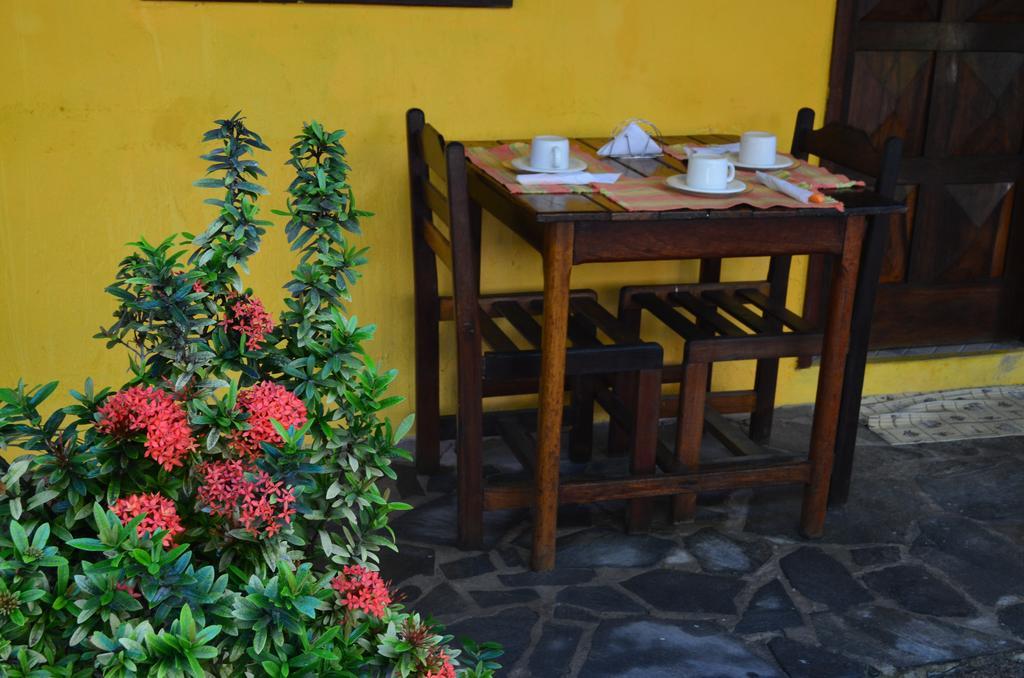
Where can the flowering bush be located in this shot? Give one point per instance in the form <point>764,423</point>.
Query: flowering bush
<point>220,513</point>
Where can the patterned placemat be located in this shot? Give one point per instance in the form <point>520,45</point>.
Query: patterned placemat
<point>802,174</point>
<point>494,160</point>
<point>652,194</point>
<point>963,414</point>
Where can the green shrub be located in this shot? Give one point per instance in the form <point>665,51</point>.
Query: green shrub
<point>220,513</point>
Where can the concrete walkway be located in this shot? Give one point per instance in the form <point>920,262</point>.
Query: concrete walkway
<point>921,574</point>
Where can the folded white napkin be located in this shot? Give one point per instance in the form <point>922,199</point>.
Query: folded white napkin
<point>568,178</point>
<point>786,187</point>
<point>713,149</point>
<point>630,141</point>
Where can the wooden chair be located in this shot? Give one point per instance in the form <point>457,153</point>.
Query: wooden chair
<point>744,321</point>
<point>849,150</point>
<point>490,362</point>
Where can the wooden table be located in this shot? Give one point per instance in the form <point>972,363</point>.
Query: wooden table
<point>570,229</point>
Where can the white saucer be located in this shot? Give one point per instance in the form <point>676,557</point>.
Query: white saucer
<point>678,181</point>
<point>781,162</point>
<point>523,164</point>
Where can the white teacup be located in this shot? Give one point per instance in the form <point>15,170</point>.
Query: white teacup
<point>709,172</point>
<point>549,152</point>
<point>757,148</point>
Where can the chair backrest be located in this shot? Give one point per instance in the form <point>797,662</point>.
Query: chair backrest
<point>848,148</point>
<point>439,194</point>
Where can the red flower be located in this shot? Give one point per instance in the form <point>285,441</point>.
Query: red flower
<point>246,495</point>
<point>145,409</point>
<point>160,511</point>
<point>264,402</point>
<point>362,589</point>
<point>246,314</point>
<point>439,665</point>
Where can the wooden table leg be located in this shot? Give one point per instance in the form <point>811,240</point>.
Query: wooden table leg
<point>830,379</point>
<point>857,357</point>
<point>557,252</point>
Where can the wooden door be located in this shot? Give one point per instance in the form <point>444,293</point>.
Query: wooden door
<point>948,77</point>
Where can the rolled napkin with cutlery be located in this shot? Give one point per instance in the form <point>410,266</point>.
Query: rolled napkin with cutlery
<point>715,149</point>
<point>631,141</point>
<point>571,178</point>
<point>789,188</point>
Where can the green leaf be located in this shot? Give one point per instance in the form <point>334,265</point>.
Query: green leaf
<point>403,428</point>
<point>87,544</point>
<point>41,535</point>
<point>188,624</point>
<point>307,605</point>
<point>19,537</point>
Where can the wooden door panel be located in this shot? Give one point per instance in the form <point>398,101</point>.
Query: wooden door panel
<point>948,77</point>
<point>984,116</point>
<point>901,230</point>
<point>889,96</point>
<point>898,10</point>
<point>987,10</point>
<point>957,228</point>
<point>945,314</point>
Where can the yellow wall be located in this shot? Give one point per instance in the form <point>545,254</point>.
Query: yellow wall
<point>104,102</point>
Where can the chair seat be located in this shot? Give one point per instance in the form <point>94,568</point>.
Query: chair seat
<point>727,321</point>
<point>598,342</point>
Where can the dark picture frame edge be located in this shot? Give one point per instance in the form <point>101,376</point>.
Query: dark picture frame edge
<point>494,4</point>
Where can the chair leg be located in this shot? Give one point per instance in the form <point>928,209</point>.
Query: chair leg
<point>765,381</point>
<point>645,443</point>
<point>767,374</point>
<point>428,408</point>
<point>625,383</point>
<point>581,435</point>
<point>830,381</point>
<point>689,432</point>
<point>470,474</point>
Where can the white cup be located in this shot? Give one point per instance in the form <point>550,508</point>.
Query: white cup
<point>548,152</point>
<point>757,148</point>
<point>709,172</point>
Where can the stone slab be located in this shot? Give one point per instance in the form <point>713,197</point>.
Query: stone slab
<point>915,589</point>
<point>502,597</point>
<point>659,649</point>
<point>553,654</point>
<point>607,548</point>
<point>799,660</point>
<point>513,628</point>
<point>470,566</point>
<point>887,636</point>
<point>771,609</point>
<point>986,565</point>
<point>600,599</point>
<point>674,591</point>
<point>719,553</point>
<point>823,579</point>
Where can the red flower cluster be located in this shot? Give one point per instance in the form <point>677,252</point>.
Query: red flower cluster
<point>263,402</point>
<point>439,665</point>
<point>362,589</point>
<point>247,314</point>
<point>160,511</point>
<point>146,409</point>
<point>247,495</point>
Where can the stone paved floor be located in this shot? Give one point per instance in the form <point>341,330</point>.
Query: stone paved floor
<point>921,574</point>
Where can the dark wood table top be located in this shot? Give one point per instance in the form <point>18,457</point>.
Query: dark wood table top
<point>546,208</point>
